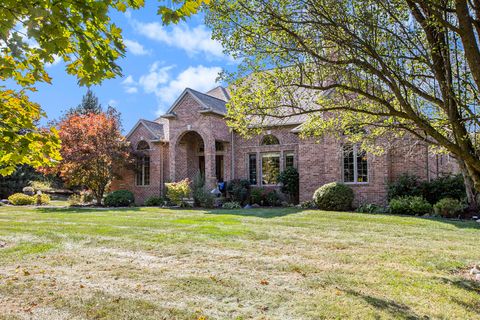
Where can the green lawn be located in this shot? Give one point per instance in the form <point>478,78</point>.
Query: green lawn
<point>243,264</point>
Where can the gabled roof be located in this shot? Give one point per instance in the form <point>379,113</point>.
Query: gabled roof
<point>207,102</point>
<point>155,128</point>
<point>219,93</point>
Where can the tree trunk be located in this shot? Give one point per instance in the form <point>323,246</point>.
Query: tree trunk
<point>470,190</point>
<point>99,200</point>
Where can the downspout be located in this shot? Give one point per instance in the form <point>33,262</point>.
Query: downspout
<point>162,144</point>
<point>232,168</point>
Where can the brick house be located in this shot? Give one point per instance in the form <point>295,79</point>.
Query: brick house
<point>193,136</point>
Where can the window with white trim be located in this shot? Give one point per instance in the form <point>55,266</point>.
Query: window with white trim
<point>143,171</point>
<point>270,168</point>
<point>289,161</point>
<point>355,164</point>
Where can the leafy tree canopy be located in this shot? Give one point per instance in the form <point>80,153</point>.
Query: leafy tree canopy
<point>93,150</point>
<point>34,33</point>
<point>361,69</point>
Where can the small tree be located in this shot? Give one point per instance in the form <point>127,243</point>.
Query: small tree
<point>289,180</point>
<point>93,151</point>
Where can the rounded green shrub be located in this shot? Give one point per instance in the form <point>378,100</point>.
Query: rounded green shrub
<point>119,198</point>
<point>410,205</point>
<point>334,196</point>
<point>20,199</point>
<point>448,208</point>
<point>154,201</point>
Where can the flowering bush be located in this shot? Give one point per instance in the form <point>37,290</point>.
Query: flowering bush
<point>20,199</point>
<point>177,191</point>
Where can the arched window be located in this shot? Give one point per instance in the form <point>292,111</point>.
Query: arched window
<point>269,140</point>
<point>143,145</point>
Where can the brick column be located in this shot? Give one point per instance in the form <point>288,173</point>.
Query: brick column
<point>172,153</point>
<point>210,178</point>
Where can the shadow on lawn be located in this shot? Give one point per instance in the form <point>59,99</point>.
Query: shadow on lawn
<point>257,212</point>
<point>395,309</point>
<point>465,284</point>
<point>83,209</point>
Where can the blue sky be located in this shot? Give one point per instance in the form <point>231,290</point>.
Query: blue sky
<point>159,63</point>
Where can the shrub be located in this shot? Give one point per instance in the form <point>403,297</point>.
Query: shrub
<point>29,191</point>
<point>119,198</point>
<point>201,196</point>
<point>17,180</point>
<point>434,190</point>
<point>308,205</point>
<point>444,187</point>
<point>257,195</point>
<point>370,208</point>
<point>334,196</point>
<point>289,180</point>
<point>41,185</point>
<point>231,205</point>
<point>411,205</point>
<point>177,191</point>
<point>75,200</point>
<point>238,190</point>
<point>154,201</point>
<point>44,199</point>
<point>83,197</point>
<point>405,185</point>
<point>20,199</point>
<point>448,208</point>
<point>273,198</point>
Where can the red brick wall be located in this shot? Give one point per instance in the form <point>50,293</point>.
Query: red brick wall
<point>209,126</point>
<point>318,161</point>
<point>243,147</point>
<point>128,181</point>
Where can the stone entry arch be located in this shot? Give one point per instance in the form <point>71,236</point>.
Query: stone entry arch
<point>189,156</point>
<point>194,151</point>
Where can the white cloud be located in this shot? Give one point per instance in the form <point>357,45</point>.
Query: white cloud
<point>199,78</point>
<point>154,78</point>
<point>166,88</point>
<point>192,40</point>
<point>130,85</point>
<point>131,90</point>
<point>135,48</point>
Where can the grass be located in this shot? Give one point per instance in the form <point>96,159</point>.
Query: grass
<point>147,263</point>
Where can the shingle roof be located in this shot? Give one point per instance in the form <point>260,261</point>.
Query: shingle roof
<point>216,99</point>
<point>155,128</point>
<point>220,93</point>
<point>211,102</point>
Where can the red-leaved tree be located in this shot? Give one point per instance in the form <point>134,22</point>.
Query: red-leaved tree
<point>93,150</point>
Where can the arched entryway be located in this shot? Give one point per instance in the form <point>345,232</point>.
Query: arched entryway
<point>189,156</point>
<point>195,152</point>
